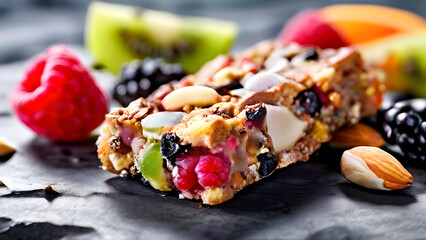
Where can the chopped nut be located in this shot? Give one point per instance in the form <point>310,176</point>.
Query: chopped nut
<point>335,99</point>
<point>374,168</point>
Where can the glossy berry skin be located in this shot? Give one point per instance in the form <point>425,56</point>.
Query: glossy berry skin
<point>184,176</point>
<point>255,116</point>
<point>310,54</point>
<point>308,102</point>
<point>140,78</point>
<point>308,28</point>
<point>268,164</point>
<point>58,98</point>
<point>404,124</point>
<point>198,169</point>
<point>213,171</point>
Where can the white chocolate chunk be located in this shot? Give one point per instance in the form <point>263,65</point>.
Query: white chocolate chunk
<point>263,81</point>
<point>162,119</point>
<point>284,128</point>
<point>154,123</point>
<point>240,92</point>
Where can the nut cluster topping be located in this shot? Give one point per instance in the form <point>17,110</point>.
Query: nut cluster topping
<point>374,168</point>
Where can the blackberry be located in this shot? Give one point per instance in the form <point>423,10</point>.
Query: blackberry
<point>404,124</point>
<point>268,163</point>
<point>308,102</point>
<point>140,78</point>
<point>389,99</point>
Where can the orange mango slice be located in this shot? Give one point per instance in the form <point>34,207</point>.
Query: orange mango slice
<point>360,23</point>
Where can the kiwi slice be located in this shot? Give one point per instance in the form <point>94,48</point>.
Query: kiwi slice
<point>116,34</point>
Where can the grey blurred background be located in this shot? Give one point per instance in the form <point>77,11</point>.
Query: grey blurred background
<point>29,26</point>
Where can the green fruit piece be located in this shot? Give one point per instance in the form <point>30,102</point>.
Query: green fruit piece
<point>403,57</point>
<point>116,34</point>
<point>150,164</point>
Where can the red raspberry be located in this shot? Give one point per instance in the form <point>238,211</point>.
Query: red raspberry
<point>184,176</point>
<point>58,98</point>
<point>213,171</point>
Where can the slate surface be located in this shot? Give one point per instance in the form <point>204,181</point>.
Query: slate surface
<point>304,201</point>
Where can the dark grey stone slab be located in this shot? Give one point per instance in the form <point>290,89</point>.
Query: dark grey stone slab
<point>306,200</point>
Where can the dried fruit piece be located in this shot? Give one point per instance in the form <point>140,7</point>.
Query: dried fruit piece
<point>255,115</point>
<point>357,135</point>
<point>150,164</point>
<point>308,102</point>
<point>371,167</point>
<point>268,164</point>
<point>58,98</point>
<point>169,146</point>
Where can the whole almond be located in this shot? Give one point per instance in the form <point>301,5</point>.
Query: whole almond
<point>357,135</point>
<point>371,167</point>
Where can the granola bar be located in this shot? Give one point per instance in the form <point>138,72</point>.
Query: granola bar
<point>238,119</point>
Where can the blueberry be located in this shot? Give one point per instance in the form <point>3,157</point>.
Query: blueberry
<point>169,146</point>
<point>308,102</point>
<point>311,54</point>
<point>256,114</point>
<point>225,89</point>
<point>268,163</point>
